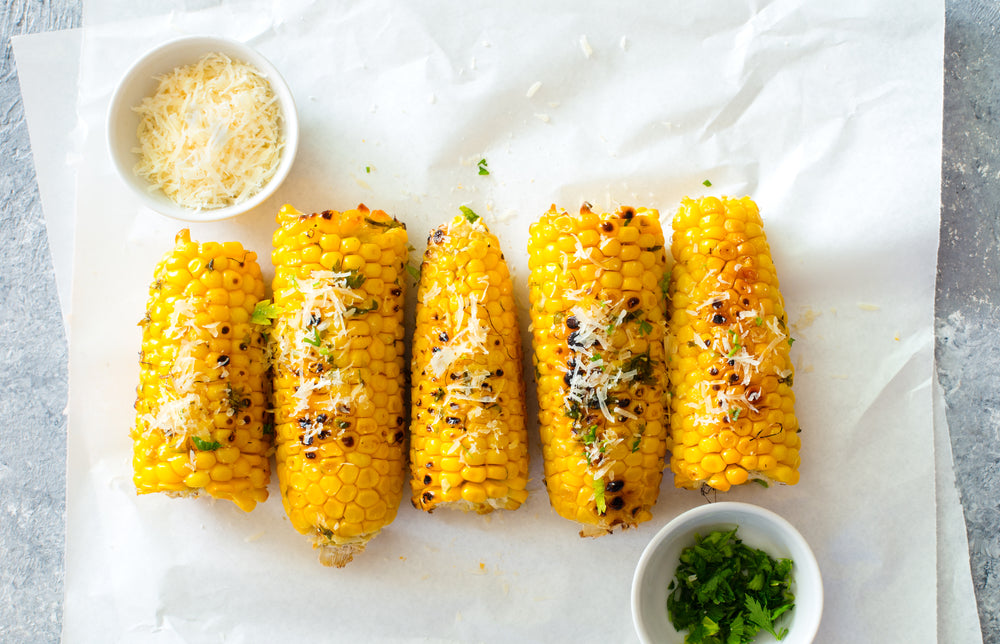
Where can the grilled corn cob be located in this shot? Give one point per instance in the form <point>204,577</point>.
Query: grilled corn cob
<point>201,423</point>
<point>339,378</point>
<point>598,324</point>
<point>732,416</point>
<point>468,442</point>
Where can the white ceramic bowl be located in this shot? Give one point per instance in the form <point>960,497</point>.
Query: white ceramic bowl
<point>758,528</point>
<point>140,81</point>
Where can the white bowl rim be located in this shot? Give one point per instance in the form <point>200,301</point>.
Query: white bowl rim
<point>206,43</point>
<point>805,560</point>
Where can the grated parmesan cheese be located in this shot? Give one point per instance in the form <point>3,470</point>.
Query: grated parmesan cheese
<point>211,134</point>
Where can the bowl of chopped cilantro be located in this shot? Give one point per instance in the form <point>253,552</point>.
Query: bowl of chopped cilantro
<point>727,573</point>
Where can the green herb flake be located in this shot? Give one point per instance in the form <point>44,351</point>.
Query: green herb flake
<point>638,438</point>
<point>204,445</point>
<point>388,225</point>
<point>314,339</point>
<point>734,339</point>
<point>354,280</point>
<point>645,328</point>
<point>264,312</point>
<point>734,413</point>
<point>706,183</point>
<point>665,284</point>
<point>725,592</point>
<point>483,169</point>
<point>599,496</point>
<point>368,169</point>
<point>470,216</point>
<point>413,271</point>
<point>268,429</point>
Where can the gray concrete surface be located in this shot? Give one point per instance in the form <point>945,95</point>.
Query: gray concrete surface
<point>968,289</point>
<point>33,347</point>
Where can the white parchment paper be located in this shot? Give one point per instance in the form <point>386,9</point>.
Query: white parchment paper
<point>830,119</point>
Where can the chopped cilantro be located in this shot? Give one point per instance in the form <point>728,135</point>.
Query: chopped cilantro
<point>599,496</point>
<point>665,284</point>
<point>706,183</point>
<point>642,365</point>
<point>725,592</point>
<point>759,320</point>
<point>361,310</point>
<point>483,170</point>
<point>791,341</point>
<point>368,169</point>
<point>235,398</point>
<point>638,438</point>
<point>264,312</point>
<point>268,429</point>
<point>413,271</point>
<point>204,445</point>
<point>645,327</point>
<point>314,339</point>
<point>734,339</point>
<point>354,280</point>
<point>734,413</point>
<point>469,214</point>
<point>388,225</point>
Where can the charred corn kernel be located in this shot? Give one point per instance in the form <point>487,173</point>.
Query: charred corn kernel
<point>599,356</point>
<point>729,360</point>
<point>469,439</point>
<point>333,374</point>
<point>201,375</point>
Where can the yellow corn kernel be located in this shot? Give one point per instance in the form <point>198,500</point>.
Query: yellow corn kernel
<point>598,325</point>
<point>338,375</point>
<point>200,374</point>
<point>731,350</point>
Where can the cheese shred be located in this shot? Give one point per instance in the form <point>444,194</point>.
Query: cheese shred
<point>210,136</point>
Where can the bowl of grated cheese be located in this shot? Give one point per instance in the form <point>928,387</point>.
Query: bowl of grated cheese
<point>202,128</point>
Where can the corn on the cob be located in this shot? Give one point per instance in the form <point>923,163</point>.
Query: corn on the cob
<point>339,377</point>
<point>468,441</point>
<point>732,416</point>
<point>598,324</point>
<point>201,423</point>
